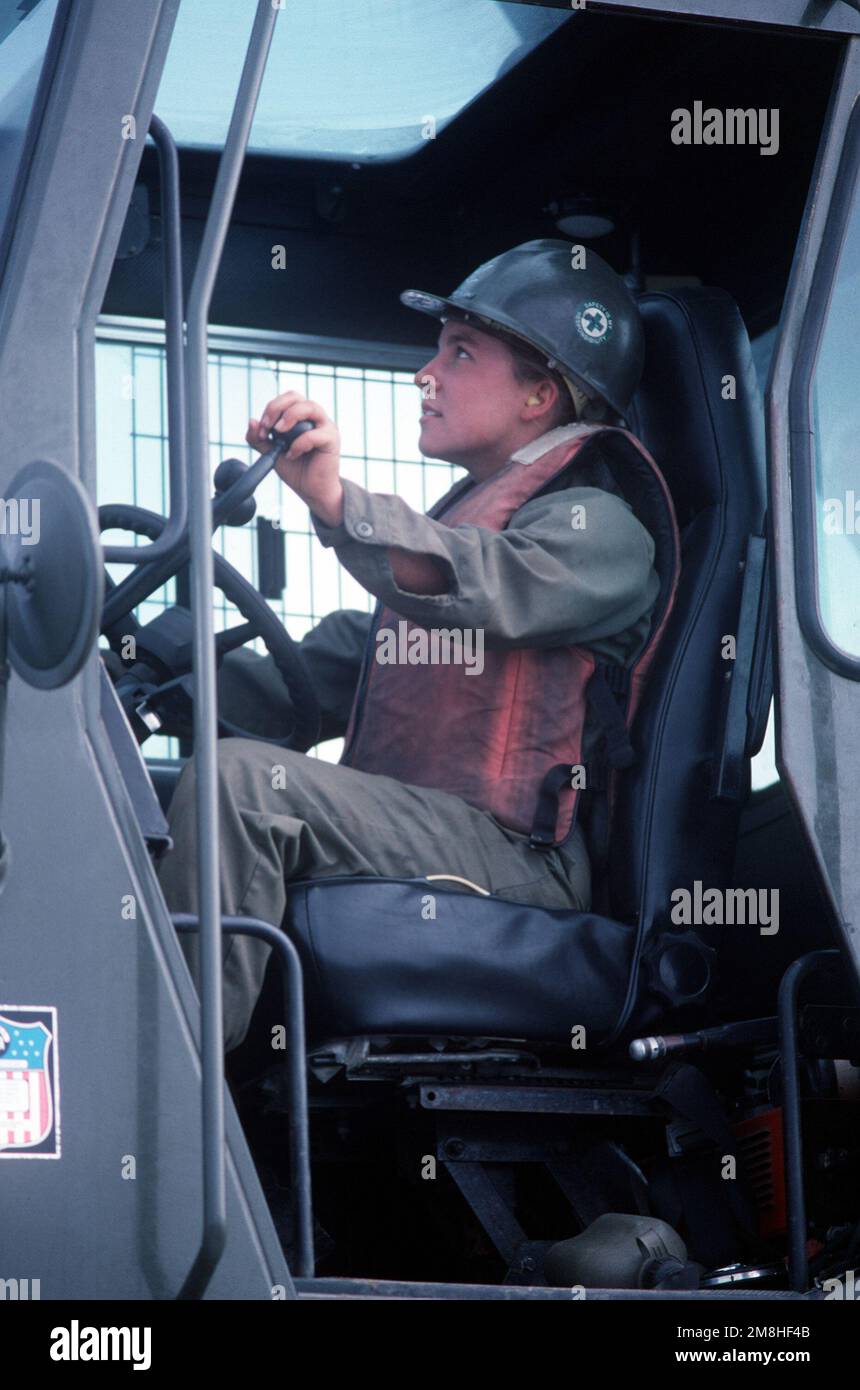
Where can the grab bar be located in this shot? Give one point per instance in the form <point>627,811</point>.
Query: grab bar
<point>171,231</point>
<point>203,647</point>
<point>292,996</point>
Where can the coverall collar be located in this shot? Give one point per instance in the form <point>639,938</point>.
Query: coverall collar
<point>562,434</point>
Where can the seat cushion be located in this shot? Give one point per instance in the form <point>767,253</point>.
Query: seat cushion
<point>405,956</point>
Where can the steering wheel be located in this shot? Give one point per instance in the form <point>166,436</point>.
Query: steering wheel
<point>157,685</point>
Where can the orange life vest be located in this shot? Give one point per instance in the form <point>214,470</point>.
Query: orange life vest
<point>497,738</point>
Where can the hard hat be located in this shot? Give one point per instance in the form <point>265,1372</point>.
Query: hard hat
<point>584,321</point>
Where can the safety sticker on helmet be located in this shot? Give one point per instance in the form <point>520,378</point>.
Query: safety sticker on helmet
<point>594,321</point>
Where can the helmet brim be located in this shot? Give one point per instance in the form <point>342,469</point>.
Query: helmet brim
<point>431,304</point>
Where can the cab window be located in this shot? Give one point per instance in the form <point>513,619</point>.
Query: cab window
<point>376,407</point>
<point>835,421</point>
<point>25,43</point>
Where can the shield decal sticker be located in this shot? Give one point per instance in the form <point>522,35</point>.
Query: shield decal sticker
<point>29,1082</point>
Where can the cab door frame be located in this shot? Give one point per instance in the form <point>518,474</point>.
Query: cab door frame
<point>817,698</point>
<point>85,929</point>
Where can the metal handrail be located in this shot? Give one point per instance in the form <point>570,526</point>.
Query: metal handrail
<point>296,1069</point>
<point>203,647</point>
<point>173,534</point>
<point>789,1051</point>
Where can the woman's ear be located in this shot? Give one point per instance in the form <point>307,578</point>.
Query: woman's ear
<point>542,392</point>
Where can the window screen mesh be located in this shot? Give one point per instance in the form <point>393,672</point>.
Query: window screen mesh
<point>376,409</point>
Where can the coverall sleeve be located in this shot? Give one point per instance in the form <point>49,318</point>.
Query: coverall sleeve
<point>573,567</point>
<point>252,694</point>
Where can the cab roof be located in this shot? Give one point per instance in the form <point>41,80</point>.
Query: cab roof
<point>560,104</point>
<point>345,80</point>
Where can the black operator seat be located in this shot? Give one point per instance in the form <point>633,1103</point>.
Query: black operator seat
<point>484,967</point>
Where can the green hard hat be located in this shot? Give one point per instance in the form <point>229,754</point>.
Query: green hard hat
<point>583,320</point>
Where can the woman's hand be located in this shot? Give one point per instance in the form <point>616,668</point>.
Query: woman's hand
<point>312,465</point>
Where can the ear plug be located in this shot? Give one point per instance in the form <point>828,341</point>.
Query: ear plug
<point>533,400</point>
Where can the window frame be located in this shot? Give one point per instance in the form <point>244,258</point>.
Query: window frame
<point>34,124</point>
<point>845,205</point>
<point>346,352</point>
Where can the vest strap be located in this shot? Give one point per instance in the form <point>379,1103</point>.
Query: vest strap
<point>543,826</point>
<point>607,693</point>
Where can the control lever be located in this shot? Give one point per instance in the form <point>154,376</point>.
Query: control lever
<point>245,483</point>
<point>148,577</point>
<point>226,474</point>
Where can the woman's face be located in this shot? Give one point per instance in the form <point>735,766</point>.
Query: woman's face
<point>474,412</point>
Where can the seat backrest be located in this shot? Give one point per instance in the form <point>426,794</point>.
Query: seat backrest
<point>699,412</point>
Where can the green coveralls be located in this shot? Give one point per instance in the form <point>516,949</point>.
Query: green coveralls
<point>286,816</point>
